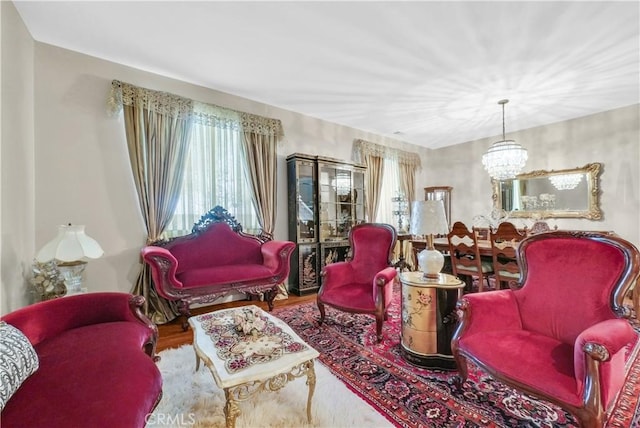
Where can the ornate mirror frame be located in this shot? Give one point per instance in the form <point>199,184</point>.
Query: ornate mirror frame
<point>586,197</point>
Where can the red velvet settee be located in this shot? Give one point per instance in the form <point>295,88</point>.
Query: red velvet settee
<point>217,258</point>
<point>96,363</point>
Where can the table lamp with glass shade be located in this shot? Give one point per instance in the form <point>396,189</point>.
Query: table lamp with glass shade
<point>428,218</point>
<point>70,249</point>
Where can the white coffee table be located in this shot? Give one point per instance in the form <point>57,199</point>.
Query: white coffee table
<point>243,366</point>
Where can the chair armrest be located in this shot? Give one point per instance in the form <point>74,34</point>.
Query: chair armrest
<point>598,359</point>
<point>163,269</point>
<point>337,274</point>
<point>613,335</point>
<point>383,286</point>
<point>478,312</point>
<point>385,276</point>
<point>43,320</point>
<point>275,254</point>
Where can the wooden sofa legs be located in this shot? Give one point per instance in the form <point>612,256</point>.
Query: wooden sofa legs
<point>185,313</point>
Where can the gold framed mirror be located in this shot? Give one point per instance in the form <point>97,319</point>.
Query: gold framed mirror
<point>566,193</point>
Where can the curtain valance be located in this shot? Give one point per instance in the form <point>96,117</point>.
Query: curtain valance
<point>362,148</point>
<point>261,125</point>
<point>176,106</point>
<point>156,101</point>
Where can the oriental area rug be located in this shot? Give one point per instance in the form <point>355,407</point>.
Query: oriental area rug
<point>409,396</point>
<point>192,399</point>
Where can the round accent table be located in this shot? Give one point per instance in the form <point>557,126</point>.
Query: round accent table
<point>429,318</point>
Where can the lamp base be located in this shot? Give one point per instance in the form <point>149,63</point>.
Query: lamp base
<point>72,274</point>
<point>430,262</point>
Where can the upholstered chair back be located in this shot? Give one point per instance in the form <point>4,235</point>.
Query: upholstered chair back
<point>371,246</point>
<point>569,284</point>
<point>218,245</point>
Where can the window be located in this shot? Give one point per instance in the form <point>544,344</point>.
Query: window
<point>390,189</point>
<point>215,174</point>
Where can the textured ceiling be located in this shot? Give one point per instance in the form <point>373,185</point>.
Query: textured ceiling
<point>429,73</point>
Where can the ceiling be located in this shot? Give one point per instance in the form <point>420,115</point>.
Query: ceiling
<point>428,73</point>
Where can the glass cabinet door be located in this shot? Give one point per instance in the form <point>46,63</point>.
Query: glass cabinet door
<point>341,201</point>
<point>305,203</point>
<point>328,203</point>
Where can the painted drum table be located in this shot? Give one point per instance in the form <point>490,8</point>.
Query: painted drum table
<point>429,318</point>
<point>263,356</point>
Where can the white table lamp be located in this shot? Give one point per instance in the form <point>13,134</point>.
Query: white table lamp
<point>70,249</point>
<point>428,218</point>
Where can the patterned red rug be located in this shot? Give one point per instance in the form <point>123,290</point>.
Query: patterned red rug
<point>410,396</point>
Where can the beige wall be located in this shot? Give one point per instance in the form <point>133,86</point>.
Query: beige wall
<point>16,159</point>
<point>611,137</point>
<point>64,159</point>
<point>82,168</point>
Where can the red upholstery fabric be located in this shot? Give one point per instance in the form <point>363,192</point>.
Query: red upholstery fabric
<point>370,247</point>
<point>49,319</point>
<point>205,265</point>
<point>538,336</point>
<point>93,376</point>
<point>93,370</point>
<point>223,274</point>
<point>566,271</point>
<point>364,284</point>
<point>218,245</point>
<point>614,335</point>
<point>553,374</point>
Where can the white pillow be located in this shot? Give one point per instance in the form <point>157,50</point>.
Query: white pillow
<point>18,360</point>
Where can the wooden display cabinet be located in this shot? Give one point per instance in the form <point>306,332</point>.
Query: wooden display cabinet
<point>326,199</point>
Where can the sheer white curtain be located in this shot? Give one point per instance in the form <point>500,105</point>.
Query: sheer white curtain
<point>214,175</point>
<point>390,189</point>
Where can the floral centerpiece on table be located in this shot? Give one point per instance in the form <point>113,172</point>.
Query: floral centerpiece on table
<point>248,322</point>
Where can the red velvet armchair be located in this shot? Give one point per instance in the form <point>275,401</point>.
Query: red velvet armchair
<point>562,333</point>
<point>365,283</point>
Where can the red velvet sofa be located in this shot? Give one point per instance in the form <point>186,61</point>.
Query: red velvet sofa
<point>217,258</point>
<point>96,364</point>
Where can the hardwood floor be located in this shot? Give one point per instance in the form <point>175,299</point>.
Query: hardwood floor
<point>172,336</point>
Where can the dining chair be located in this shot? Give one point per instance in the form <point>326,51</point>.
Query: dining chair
<point>465,256</point>
<point>504,243</point>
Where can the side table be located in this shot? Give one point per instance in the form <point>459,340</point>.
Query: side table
<point>429,318</point>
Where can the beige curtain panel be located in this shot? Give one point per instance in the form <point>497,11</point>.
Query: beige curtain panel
<point>373,183</point>
<point>158,127</point>
<point>372,155</point>
<point>260,153</point>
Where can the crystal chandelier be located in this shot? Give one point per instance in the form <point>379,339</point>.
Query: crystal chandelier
<point>565,181</point>
<point>504,159</point>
